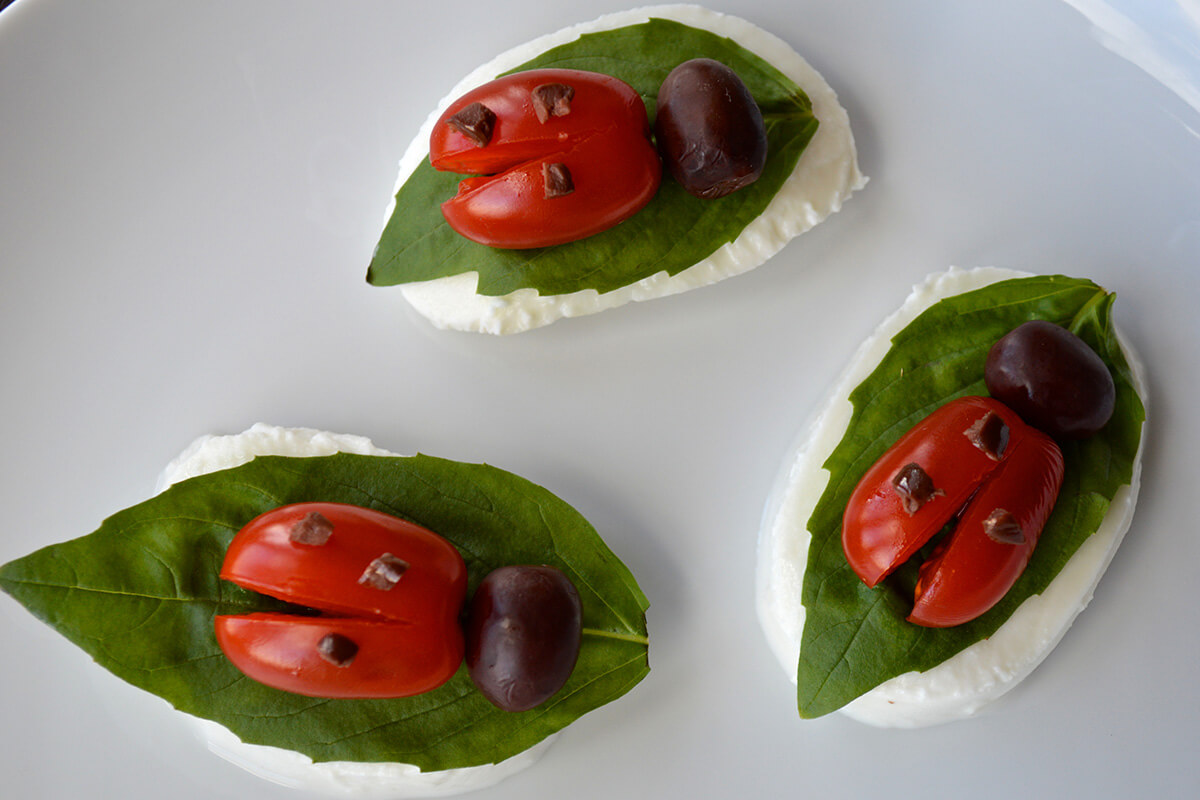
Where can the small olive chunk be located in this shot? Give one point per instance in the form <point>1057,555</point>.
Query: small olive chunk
<point>523,631</point>
<point>915,487</point>
<point>1052,379</point>
<point>710,131</point>
<point>313,530</point>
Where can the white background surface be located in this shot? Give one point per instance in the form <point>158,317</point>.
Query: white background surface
<point>189,196</point>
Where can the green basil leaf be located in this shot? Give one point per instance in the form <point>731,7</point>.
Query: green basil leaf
<point>856,638</point>
<point>673,232</point>
<point>140,594</point>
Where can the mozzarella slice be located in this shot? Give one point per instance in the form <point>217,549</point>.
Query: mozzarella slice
<point>825,176</point>
<point>963,684</point>
<point>372,781</point>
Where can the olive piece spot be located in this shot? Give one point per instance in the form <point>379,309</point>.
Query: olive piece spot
<point>989,434</point>
<point>384,572</point>
<point>552,100</point>
<point>476,122</point>
<point>1002,527</point>
<point>524,628</point>
<point>556,180</point>
<point>915,487</point>
<point>710,131</point>
<point>337,649</point>
<point>1052,379</point>
<point>314,529</point>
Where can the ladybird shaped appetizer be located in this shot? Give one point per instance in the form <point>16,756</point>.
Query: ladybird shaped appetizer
<point>338,618</point>
<point>561,179</point>
<point>951,509</point>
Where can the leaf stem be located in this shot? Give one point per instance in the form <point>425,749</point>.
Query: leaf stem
<point>624,637</point>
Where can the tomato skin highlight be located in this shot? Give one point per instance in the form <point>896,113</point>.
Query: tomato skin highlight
<point>970,571</point>
<point>410,615</point>
<point>604,143</point>
<point>878,533</point>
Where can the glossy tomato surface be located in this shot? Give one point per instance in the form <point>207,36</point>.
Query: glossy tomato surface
<point>879,533</point>
<point>982,470</point>
<point>393,589</point>
<point>602,141</point>
<point>980,560</point>
<point>284,651</point>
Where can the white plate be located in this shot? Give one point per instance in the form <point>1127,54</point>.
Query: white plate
<point>190,193</point>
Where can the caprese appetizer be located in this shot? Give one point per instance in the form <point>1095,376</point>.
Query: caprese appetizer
<point>561,178</point>
<point>953,505</point>
<point>342,619</point>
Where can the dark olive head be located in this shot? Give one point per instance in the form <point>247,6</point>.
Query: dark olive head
<point>1052,379</point>
<point>710,131</point>
<point>524,628</point>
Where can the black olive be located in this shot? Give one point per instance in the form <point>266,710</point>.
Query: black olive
<point>523,631</point>
<point>710,131</point>
<point>1052,379</point>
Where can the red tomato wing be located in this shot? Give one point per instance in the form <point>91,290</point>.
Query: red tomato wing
<point>372,659</point>
<point>388,593</point>
<point>921,482</point>
<point>600,103</point>
<point>605,167</point>
<point>613,178</point>
<point>264,557</point>
<point>976,565</point>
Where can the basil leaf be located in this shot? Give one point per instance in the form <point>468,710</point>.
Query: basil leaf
<point>856,638</point>
<point>673,232</point>
<point>140,594</point>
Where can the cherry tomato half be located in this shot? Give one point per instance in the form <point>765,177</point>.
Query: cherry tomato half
<point>972,461</point>
<point>554,170</point>
<point>387,595</point>
<point>975,566</point>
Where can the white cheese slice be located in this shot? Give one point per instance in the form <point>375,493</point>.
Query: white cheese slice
<point>825,176</point>
<point>963,684</point>
<point>371,781</point>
